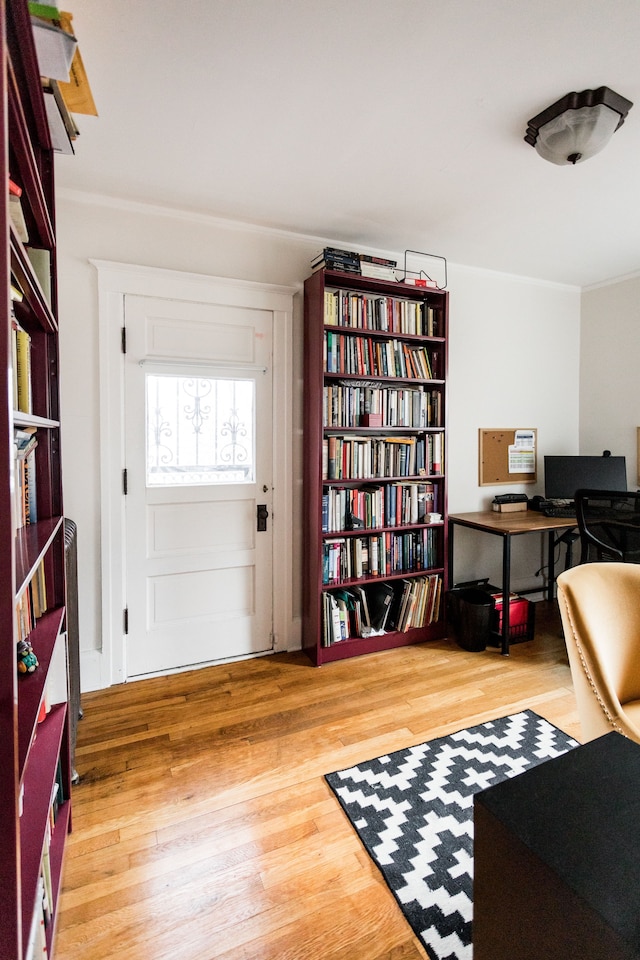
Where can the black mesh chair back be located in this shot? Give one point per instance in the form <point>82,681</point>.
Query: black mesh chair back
<point>609,523</point>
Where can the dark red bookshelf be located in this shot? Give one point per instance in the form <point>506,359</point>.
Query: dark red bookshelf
<point>34,734</point>
<point>317,324</point>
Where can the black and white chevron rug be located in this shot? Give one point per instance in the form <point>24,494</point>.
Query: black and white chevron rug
<point>413,811</point>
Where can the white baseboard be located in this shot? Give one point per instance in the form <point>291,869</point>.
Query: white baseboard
<point>91,671</point>
<point>94,672</point>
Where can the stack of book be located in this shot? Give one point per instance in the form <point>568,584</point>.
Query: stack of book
<point>378,268</point>
<point>362,264</point>
<point>332,258</point>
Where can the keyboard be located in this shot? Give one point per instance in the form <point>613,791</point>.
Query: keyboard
<point>568,513</point>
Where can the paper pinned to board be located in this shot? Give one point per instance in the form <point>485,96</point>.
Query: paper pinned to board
<point>522,452</point>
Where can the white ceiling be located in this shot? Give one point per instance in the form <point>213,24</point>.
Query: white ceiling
<point>390,124</point>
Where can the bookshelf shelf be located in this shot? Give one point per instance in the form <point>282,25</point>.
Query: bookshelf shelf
<point>30,420</point>
<point>22,270</point>
<point>38,782</point>
<point>31,687</point>
<point>31,544</point>
<point>35,768</point>
<point>368,344</point>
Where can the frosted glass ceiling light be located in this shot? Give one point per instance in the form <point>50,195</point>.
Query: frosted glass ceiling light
<point>578,126</point>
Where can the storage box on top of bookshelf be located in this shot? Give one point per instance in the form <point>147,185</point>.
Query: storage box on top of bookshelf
<point>375,497</point>
<point>35,770</point>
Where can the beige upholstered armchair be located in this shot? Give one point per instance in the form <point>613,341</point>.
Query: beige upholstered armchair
<point>600,609</point>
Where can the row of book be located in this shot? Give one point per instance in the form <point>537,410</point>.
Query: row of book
<point>360,264</point>
<point>374,609</point>
<point>39,257</point>
<point>31,604</point>
<point>24,488</point>
<point>377,458</point>
<point>44,907</point>
<point>366,357</point>
<point>356,405</point>
<point>371,507</point>
<point>380,555</point>
<point>369,312</point>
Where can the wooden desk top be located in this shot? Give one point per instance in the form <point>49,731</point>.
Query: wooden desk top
<point>511,524</point>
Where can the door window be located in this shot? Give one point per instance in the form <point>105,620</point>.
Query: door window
<point>200,430</point>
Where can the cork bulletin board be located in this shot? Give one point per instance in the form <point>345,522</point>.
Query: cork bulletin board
<point>507,455</point>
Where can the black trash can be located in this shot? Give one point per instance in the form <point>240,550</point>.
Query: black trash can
<point>469,612</point>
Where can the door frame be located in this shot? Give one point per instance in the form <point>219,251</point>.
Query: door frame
<point>115,281</point>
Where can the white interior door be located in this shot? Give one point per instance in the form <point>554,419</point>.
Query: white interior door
<point>198,454</point>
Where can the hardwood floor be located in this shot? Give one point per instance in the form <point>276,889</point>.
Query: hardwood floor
<point>203,827</point>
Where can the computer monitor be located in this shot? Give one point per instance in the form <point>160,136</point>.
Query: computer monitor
<point>564,475</point>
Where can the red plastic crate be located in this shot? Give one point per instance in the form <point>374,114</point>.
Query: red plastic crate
<point>521,618</point>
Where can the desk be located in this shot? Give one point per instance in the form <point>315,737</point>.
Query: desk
<point>508,525</point>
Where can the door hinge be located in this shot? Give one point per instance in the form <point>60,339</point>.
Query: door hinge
<point>125,620</point>
<point>125,482</point>
<point>124,339</point>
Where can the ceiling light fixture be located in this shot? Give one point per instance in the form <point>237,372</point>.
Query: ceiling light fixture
<point>578,126</point>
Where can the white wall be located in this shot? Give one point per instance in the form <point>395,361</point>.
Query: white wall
<point>610,361</point>
<point>513,363</point>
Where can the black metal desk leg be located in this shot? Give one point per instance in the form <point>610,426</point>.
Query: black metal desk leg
<point>506,592</point>
<point>551,548</point>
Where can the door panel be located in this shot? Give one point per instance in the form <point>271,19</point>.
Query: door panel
<point>198,455</point>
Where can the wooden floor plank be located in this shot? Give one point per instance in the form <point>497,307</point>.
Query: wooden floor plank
<point>204,828</point>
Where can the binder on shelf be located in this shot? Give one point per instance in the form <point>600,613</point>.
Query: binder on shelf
<point>62,128</point>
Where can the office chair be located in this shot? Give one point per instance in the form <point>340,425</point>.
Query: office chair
<point>600,609</point>
<point>609,524</point>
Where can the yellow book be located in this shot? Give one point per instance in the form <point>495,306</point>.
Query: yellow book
<point>23,371</point>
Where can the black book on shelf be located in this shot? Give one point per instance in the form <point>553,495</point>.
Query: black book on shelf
<point>400,590</point>
<point>379,598</point>
<point>335,259</point>
<point>344,266</point>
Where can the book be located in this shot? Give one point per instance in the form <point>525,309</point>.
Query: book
<point>380,261</point>
<point>333,258</point>
<point>23,369</point>
<point>76,93</point>
<point>376,271</point>
<point>338,265</point>
<point>361,595</point>
<point>41,263</point>
<point>62,128</point>
<point>17,217</point>
<point>55,49</point>
<point>335,253</point>
<point>379,598</point>
<point>30,501</point>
